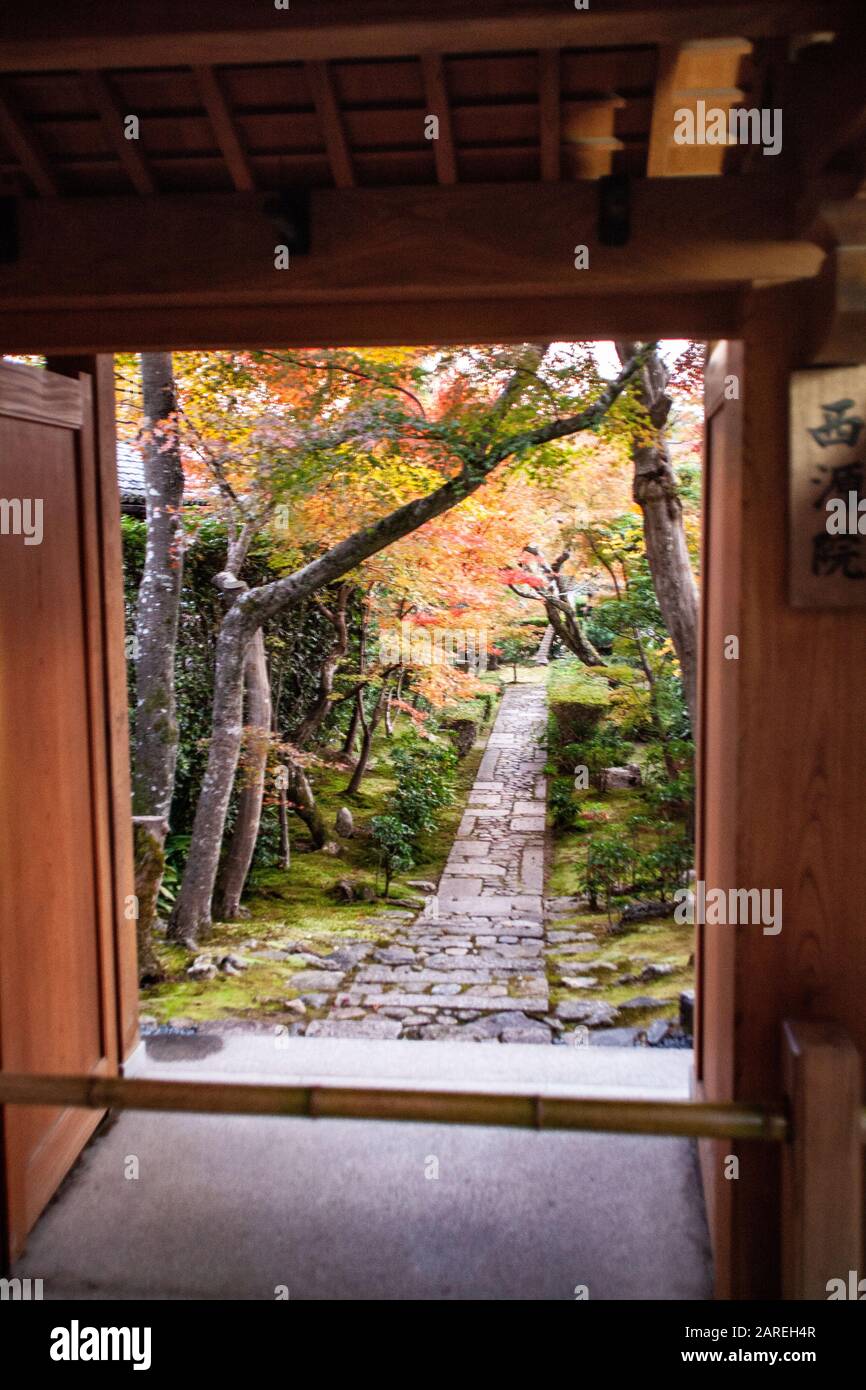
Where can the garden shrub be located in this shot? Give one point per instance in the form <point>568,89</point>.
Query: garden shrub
<point>577,700</point>
<point>564,808</point>
<point>424,772</point>
<point>392,841</point>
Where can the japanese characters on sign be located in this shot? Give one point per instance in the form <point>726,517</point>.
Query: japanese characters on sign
<point>828,488</point>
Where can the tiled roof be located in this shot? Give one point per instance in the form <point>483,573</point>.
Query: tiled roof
<point>130,471</point>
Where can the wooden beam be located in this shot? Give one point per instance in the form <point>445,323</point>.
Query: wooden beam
<point>549,114</point>
<point>661,126</point>
<point>822,1178</point>
<point>436,95</point>
<point>25,146</point>
<point>220,116</point>
<point>170,33</point>
<point>104,101</point>
<point>331,120</point>
<point>673,314</point>
<point>374,245</point>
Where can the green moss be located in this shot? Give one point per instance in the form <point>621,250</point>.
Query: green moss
<point>571,681</point>
<point>297,906</point>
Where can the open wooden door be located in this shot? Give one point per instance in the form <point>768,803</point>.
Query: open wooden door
<point>717,753</point>
<point>64,865</point>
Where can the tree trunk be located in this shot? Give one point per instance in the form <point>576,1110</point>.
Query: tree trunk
<point>149,845</point>
<point>192,913</point>
<point>156,734</point>
<point>369,726</point>
<point>304,805</point>
<point>191,917</point>
<point>236,864</point>
<point>655,491</point>
<point>355,721</point>
<point>285,839</point>
<point>311,724</point>
<point>571,634</point>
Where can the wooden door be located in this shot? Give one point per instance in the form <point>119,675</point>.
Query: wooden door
<point>59,889</point>
<point>717,740</point>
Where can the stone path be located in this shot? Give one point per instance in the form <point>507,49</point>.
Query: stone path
<point>472,965</point>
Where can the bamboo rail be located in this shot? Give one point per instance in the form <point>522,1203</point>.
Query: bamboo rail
<point>675,1118</point>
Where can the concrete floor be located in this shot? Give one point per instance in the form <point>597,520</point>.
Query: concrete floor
<point>232,1208</point>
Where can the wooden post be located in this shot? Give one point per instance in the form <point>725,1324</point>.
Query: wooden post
<point>822,1165</point>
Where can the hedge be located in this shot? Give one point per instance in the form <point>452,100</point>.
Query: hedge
<point>577,698</point>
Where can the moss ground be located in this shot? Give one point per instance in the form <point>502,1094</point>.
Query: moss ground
<point>296,909</point>
<point>659,941</point>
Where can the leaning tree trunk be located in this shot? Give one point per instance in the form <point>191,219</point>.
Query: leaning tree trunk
<point>655,491</point>
<point>567,627</point>
<point>236,864</point>
<point>156,734</point>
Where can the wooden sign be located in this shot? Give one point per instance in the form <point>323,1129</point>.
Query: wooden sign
<point>827,488</point>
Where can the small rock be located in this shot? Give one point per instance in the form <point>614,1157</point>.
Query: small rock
<point>202,968</point>
<point>594,1013</point>
<point>344,824</point>
<point>585,936</point>
<point>232,965</point>
<point>621,778</point>
<point>333,849</point>
<point>644,909</point>
<point>316,1001</point>
<point>525,1035</point>
<point>643,1001</point>
<point>614,1037</point>
<point>579,981</point>
<point>657,1030</point>
<point>655,972</point>
<point>447,989</point>
<point>422,885</point>
<point>295,1006</point>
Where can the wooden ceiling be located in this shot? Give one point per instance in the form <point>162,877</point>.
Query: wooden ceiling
<point>336,94</point>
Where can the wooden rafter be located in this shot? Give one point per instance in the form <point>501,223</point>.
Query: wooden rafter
<point>550,114</point>
<point>331,121</point>
<point>55,36</point>
<point>436,94</point>
<point>26,147</point>
<point>660,127</point>
<point>220,116</point>
<point>104,101</point>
